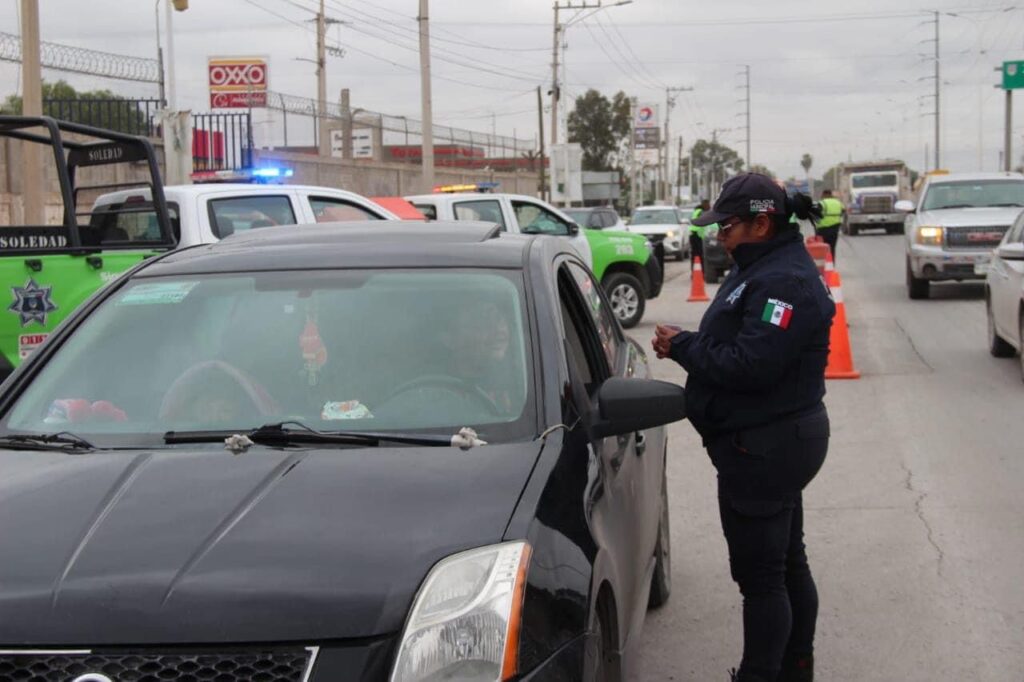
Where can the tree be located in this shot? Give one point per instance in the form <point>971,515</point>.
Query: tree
<point>763,170</point>
<point>715,162</point>
<point>601,127</point>
<point>60,100</point>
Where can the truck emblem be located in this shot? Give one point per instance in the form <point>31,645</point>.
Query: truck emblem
<point>92,677</point>
<point>32,303</point>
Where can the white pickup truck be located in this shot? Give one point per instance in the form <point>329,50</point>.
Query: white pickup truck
<point>201,214</point>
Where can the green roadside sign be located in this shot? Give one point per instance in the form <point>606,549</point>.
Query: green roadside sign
<point>1013,75</point>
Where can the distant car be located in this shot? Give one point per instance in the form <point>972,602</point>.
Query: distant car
<point>664,225</point>
<point>363,452</point>
<point>1004,295</point>
<point>960,219</point>
<point>598,218</point>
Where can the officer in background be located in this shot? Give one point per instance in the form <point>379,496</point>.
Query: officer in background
<point>832,211</point>
<point>756,379</point>
<point>698,232</point>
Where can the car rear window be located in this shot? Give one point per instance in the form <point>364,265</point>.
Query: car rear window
<point>239,214</point>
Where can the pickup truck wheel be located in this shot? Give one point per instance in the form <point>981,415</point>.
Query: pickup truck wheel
<point>916,288</point>
<point>627,298</point>
<point>852,230</point>
<point>997,345</point>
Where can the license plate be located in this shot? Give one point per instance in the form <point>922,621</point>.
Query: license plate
<point>981,268</point>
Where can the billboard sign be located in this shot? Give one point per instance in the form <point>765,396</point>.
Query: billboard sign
<point>646,143</point>
<point>646,116</point>
<point>237,82</point>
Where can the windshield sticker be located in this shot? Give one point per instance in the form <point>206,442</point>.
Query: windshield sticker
<point>32,303</point>
<point>346,409</point>
<point>27,344</point>
<point>157,293</point>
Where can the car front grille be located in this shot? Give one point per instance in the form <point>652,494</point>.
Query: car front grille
<point>975,237</point>
<point>964,269</point>
<point>272,665</point>
<point>876,204</point>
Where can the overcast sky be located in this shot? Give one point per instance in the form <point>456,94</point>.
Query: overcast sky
<point>838,80</point>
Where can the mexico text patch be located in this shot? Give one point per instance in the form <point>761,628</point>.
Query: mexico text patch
<point>777,312</point>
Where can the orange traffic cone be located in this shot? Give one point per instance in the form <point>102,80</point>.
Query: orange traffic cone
<point>840,358</point>
<point>697,293</point>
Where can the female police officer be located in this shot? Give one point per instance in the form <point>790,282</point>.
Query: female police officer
<point>756,379</point>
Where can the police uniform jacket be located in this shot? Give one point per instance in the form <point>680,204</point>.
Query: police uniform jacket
<point>760,353</point>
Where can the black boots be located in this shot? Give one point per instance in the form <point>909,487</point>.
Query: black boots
<point>797,670</point>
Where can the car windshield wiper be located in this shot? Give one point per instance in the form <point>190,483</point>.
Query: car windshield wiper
<point>943,208</point>
<point>1008,204</point>
<point>280,434</point>
<point>62,440</point>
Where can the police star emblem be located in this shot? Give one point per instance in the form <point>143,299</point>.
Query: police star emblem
<point>32,303</point>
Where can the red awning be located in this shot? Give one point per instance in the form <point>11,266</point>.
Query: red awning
<point>400,207</point>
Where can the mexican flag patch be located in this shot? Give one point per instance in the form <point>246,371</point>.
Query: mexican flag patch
<point>777,312</point>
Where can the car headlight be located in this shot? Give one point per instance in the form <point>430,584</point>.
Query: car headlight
<point>464,623</point>
<point>929,235</point>
<point>670,235</point>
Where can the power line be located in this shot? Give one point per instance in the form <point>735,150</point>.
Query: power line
<point>640,63</point>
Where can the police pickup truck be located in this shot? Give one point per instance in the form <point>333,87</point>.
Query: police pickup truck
<point>624,263</point>
<point>50,269</point>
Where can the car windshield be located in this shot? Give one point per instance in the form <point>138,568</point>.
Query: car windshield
<point>976,194</point>
<point>874,180</point>
<point>580,215</point>
<point>387,350</point>
<point>654,217</point>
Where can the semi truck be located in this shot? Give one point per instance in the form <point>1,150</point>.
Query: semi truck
<point>870,190</point>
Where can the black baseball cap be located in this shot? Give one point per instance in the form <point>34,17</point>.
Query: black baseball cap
<point>746,194</point>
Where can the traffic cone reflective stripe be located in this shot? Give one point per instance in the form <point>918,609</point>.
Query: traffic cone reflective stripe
<point>697,293</point>
<point>840,357</point>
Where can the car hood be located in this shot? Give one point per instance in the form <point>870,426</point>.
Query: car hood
<point>962,217</point>
<point>205,546</point>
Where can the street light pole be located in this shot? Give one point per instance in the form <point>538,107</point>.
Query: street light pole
<point>33,189</point>
<point>670,102</point>
<point>426,104</point>
<point>172,92</point>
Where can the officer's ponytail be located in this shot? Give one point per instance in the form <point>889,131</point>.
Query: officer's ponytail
<point>802,206</point>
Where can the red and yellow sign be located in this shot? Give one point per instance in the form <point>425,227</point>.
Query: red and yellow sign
<point>237,82</point>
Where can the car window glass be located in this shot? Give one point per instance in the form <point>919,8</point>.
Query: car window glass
<point>596,220</point>
<point>581,337</point>
<point>610,218</point>
<point>657,216</point>
<point>330,210</point>
<point>973,194</point>
<point>536,219</point>
<point>429,211</point>
<point>238,214</point>
<point>432,349</point>
<point>133,222</point>
<point>488,210</point>
<point>1016,233</point>
<point>600,312</point>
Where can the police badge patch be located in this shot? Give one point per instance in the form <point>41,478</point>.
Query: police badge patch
<point>32,303</point>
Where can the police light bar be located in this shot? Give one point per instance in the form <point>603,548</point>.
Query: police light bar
<point>471,187</point>
<point>252,175</point>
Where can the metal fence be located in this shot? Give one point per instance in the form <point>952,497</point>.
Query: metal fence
<point>132,116</point>
<point>401,137</point>
<point>221,141</point>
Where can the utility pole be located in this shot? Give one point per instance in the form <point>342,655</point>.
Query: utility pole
<point>172,88</point>
<point>634,200</point>
<point>670,102</point>
<point>160,56</point>
<point>33,181</point>
<point>746,100</point>
<point>938,101</point>
<point>324,141</point>
<point>426,105</point>
<point>554,79</point>
<point>1008,141</point>
<point>540,127</point>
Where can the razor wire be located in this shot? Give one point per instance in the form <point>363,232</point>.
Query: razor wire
<point>81,60</point>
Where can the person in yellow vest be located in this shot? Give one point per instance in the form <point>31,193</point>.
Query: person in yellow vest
<point>697,233</point>
<point>832,211</point>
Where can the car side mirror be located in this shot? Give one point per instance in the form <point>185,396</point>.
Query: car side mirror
<point>1014,251</point>
<point>574,228</point>
<point>630,405</point>
<point>904,206</point>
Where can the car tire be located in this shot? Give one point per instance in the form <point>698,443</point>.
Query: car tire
<point>711,275</point>
<point>997,345</point>
<point>661,581</point>
<point>626,295</point>
<point>917,288</point>
<point>852,230</point>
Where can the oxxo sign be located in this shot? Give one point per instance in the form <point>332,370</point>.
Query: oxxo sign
<point>237,82</point>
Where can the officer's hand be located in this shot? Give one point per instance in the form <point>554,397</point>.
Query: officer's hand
<point>662,341</point>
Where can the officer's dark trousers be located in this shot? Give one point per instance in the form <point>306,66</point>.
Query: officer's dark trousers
<point>761,473</point>
<point>831,236</point>
<point>696,249</point>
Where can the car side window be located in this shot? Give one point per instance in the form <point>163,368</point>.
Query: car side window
<point>600,313</point>
<point>610,218</point>
<point>488,210</point>
<point>429,211</point>
<point>581,337</point>
<point>535,219</point>
<point>595,221</point>
<point>331,210</point>
<point>239,214</point>
<point>1016,233</point>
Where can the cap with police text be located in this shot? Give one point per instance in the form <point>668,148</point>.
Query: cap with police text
<point>745,195</point>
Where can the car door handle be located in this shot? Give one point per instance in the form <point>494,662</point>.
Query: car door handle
<point>641,442</point>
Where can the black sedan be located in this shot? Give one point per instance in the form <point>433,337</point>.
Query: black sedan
<point>371,452</point>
